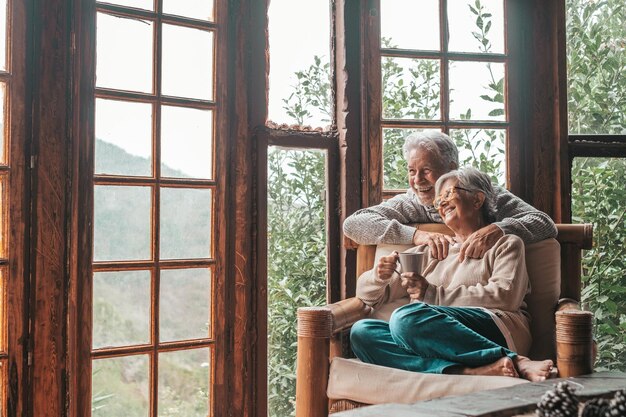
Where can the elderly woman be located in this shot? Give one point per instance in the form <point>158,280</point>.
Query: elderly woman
<point>464,317</point>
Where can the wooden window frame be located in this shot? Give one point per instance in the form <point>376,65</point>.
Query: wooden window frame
<point>85,93</point>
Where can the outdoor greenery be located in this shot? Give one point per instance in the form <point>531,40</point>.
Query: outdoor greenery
<point>296,261</point>
<point>597,104</point>
<point>596,40</point>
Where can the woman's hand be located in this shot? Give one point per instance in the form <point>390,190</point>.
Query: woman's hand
<point>387,266</point>
<point>415,285</point>
<point>437,242</point>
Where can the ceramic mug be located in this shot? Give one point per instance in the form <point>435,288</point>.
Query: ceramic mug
<point>412,261</point>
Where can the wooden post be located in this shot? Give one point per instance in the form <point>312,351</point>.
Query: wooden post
<point>314,332</point>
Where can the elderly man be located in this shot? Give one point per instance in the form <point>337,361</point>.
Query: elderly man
<point>429,155</point>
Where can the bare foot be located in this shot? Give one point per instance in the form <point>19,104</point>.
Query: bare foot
<point>502,367</point>
<point>534,371</point>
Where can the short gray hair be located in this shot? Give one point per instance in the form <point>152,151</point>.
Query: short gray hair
<point>434,141</point>
<point>475,180</point>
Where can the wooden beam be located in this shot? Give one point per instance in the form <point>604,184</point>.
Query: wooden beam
<point>51,111</point>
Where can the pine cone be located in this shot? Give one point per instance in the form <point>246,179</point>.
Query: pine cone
<point>617,405</point>
<point>596,407</point>
<point>560,402</point>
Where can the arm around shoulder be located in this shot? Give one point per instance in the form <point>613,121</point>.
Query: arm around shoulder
<point>516,217</point>
<point>386,222</point>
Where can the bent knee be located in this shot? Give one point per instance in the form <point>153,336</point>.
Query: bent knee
<point>409,310</point>
<point>405,318</point>
<point>363,331</point>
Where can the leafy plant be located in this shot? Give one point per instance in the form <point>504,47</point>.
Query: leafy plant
<point>296,261</point>
<point>596,35</point>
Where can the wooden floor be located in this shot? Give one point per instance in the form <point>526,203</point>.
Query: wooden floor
<point>518,401</point>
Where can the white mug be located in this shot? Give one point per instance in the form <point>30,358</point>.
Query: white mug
<point>412,261</point>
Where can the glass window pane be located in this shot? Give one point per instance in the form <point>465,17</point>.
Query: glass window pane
<point>196,9</point>
<point>120,387</point>
<point>124,53</point>
<point>186,142</point>
<point>187,62</point>
<point>410,88</point>
<point>481,99</point>
<point>123,138</point>
<point>395,170</point>
<point>596,67</point>
<point>184,383</point>
<point>410,24</point>
<point>139,4</point>
<point>3,142</point>
<point>185,304</point>
<point>122,223</point>
<point>185,223</point>
<point>476,26</point>
<point>599,197</point>
<point>121,308</point>
<point>3,34</point>
<point>296,260</point>
<point>4,213</point>
<point>483,149</point>
<point>299,78</point>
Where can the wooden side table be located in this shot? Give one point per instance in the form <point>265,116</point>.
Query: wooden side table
<point>519,400</point>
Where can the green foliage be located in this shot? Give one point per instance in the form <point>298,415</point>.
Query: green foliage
<point>596,40</point>
<point>312,94</point>
<point>596,59</point>
<point>599,196</point>
<point>296,261</point>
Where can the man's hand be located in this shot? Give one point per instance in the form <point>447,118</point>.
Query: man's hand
<point>415,285</point>
<point>479,242</point>
<point>387,266</point>
<point>437,242</point>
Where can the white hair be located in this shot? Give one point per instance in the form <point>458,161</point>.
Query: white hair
<point>475,180</point>
<point>433,141</point>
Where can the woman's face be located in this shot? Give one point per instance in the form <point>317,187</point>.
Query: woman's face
<point>458,207</point>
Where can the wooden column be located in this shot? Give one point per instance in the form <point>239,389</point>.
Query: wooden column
<point>17,283</point>
<point>348,110</point>
<point>547,154</point>
<point>51,148</point>
<point>247,89</point>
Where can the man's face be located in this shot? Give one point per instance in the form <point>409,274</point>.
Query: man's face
<point>425,168</point>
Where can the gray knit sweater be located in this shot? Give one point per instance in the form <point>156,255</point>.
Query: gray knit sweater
<point>388,222</point>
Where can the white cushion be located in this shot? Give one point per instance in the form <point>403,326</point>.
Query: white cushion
<point>543,261</point>
<point>354,380</point>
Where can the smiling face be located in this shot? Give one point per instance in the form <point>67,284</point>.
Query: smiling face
<point>425,167</point>
<point>460,209</point>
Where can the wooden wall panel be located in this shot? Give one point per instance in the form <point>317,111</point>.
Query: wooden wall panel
<point>51,109</point>
<point>348,113</point>
<point>371,101</point>
<point>544,156</point>
<point>247,96</point>
<point>18,283</point>
<point>80,242</point>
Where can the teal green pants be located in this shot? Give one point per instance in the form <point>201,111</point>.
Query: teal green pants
<point>425,338</point>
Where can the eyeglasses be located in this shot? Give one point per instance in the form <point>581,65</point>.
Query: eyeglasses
<point>447,196</point>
